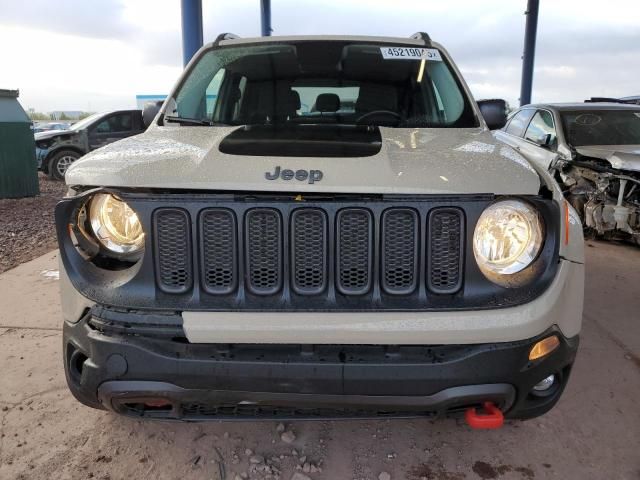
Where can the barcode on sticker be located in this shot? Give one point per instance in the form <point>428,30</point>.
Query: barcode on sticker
<point>409,53</point>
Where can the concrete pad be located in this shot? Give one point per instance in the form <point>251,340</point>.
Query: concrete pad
<point>29,295</point>
<point>591,434</point>
<point>612,290</point>
<point>31,361</point>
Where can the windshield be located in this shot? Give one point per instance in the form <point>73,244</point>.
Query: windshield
<point>85,122</point>
<point>602,127</point>
<point>328,82</point>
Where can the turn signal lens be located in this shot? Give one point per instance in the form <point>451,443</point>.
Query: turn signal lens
<point>115,224</point>
<point>544,347</point>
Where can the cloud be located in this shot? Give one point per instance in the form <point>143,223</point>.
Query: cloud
<point>92,74</point>
<point>103,52</point>
<point>94,18</point>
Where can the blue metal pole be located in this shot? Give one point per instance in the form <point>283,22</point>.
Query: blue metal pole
<point>265,17</point>
<point>529,54</point>
<point>191,28</point>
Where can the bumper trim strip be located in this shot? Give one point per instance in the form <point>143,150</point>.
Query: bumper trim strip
<point>115,395</point>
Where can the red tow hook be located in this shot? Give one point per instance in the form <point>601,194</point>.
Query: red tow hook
<point>492,419</point>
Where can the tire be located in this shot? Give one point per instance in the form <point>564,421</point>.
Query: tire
<point>60,162</point>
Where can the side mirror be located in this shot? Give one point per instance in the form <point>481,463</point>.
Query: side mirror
<point>150,111</point>
<point>545,141</point>
<point>494,113</point>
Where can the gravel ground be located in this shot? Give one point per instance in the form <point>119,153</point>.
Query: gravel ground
<point>27,228</point>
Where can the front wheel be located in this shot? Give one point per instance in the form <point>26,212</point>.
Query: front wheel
<point>60,162</point>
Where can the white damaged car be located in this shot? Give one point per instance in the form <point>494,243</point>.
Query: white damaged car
<point>593,150</point>
<point>319,227</point>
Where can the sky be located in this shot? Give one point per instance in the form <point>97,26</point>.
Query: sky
<point>97,55</point>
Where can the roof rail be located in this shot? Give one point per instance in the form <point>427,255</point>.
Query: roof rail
<point>424,36</point>
<point>225,36</point>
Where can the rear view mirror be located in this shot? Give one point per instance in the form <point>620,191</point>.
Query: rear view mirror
<point>150,111</point>
<point>494,112</point>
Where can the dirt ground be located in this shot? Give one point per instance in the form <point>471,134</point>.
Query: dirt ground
<point>27,227</point>
<point>593,433</point>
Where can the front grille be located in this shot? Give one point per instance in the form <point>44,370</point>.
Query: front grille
<point>366,247</point>
<point>173,247</point>
<point>279,252</point>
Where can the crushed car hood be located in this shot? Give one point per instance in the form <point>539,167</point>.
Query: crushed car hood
<point>51,134</point>
<point>410,161</point>
<point>623,157</point>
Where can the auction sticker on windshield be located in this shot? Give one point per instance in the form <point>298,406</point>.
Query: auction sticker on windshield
<point>410,53</point>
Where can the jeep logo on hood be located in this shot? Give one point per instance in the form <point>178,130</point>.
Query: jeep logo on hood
<point>311,176</point>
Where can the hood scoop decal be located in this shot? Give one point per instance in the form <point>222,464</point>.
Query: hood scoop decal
<point>293,140</point>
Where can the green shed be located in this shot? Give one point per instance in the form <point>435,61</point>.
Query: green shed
<point>18,169</point>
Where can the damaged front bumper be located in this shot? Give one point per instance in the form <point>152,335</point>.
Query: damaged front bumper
<point>141,365</point>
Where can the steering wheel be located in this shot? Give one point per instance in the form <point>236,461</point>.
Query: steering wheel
<point>391,113</point>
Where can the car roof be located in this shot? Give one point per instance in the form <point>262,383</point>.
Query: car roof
<point>588,106</point>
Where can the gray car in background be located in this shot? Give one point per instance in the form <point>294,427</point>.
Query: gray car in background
<point>593,150</point>
<point>56,150</point>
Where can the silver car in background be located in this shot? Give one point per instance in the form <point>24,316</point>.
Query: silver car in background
<point>593,150</point>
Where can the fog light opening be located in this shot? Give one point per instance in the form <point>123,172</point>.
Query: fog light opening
<point>545,384</point>
<point>544,347</point>
<point>75,359</point>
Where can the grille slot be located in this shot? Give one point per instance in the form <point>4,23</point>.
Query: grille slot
<point>219,254</point>
<point>444,252</point>
<point>309,251</point>
<point>264,250</point>
<point>399,250</point>
<point>173,250</point>
<point>354,251</point>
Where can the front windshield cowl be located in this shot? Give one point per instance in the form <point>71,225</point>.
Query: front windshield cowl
<point>323,82</point>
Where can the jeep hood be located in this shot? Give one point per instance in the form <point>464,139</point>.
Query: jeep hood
<point>623,157</point>
<point>410,161</point>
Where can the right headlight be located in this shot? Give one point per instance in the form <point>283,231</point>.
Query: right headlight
<point>508,237</point>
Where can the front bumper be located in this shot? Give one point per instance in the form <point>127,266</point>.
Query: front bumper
<point>129,364</point>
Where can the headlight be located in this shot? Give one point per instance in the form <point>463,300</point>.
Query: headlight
<point>507,238</point>
<point>115,224</point>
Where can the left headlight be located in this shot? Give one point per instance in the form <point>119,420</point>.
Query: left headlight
<point>508,237</point>
<point>115,224</point>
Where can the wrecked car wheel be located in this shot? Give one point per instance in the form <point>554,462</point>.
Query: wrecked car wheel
<point>61,162</point>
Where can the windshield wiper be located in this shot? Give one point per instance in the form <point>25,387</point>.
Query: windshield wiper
<point>190,121</point>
